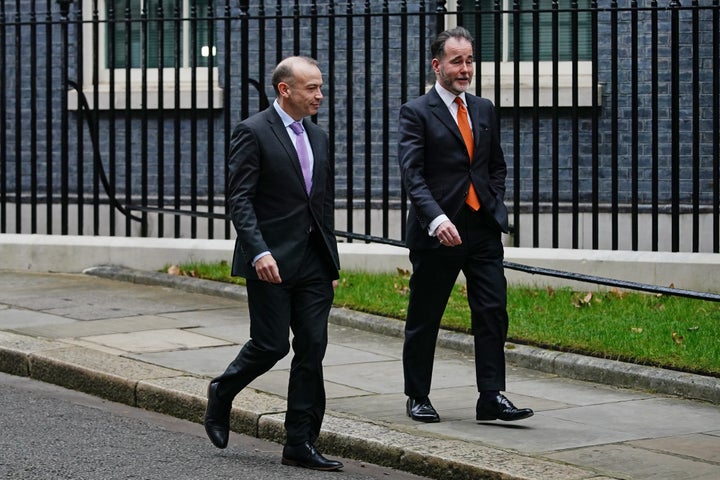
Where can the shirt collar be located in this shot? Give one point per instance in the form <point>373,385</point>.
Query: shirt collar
<point>287,119</point>
<point>448,97</point>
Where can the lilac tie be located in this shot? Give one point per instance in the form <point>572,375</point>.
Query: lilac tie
<point>302,154</point>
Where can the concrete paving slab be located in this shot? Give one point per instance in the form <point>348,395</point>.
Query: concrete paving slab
<point>698,445</point>
<point>384,377</point>
<point>274,382</point>
<point>575,392</point>
<point>645,417</point>
<point>93,307</point>
<point>206,362</point>
<point>535,435</point>
<point>626,461</point>
<point>74,329</point>
<point>85,298</point>
<point>146,341</point>
<point>447,400</point>
<point>342,355</point>
<point>236,334</point>
<point>334,390</point>
<point>365,341</point>
<point>235,315</point>
<point>452,373</point>
<point>17,319</point>
<point>78,342</point>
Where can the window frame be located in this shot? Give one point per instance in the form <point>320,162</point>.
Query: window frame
<point>153,91</point>
<point>485,74</point>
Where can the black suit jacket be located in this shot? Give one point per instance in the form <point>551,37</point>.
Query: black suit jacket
<point>266,195</point>
<point>435,167</point>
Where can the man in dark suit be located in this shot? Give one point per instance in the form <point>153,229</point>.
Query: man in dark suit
<point>454,170</point>
<point>281,199</point>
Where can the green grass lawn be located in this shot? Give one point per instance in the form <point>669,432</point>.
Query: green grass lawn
<point>670,332</point>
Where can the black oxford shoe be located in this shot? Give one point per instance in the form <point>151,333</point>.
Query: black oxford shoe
<point>305,455</point>
<point>500,408</point>
<point>217,417</point>
<point>421,410</point>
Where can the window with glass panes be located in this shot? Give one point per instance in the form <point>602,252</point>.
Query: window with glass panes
<point>486,22</point>
<point>168,33</point>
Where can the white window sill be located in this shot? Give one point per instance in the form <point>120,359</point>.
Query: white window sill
<point>546,81</point>
<point>545,92</point>
<point>153,96</point>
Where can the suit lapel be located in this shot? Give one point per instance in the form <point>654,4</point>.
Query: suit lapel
<point>280,132</point>
<point>442,113</point>
<point>474,116</point>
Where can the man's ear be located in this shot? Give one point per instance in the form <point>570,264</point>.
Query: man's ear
<point>284,89</point>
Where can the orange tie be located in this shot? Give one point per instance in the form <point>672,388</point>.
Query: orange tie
<point>462,119</point>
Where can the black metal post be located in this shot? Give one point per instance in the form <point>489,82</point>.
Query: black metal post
<point>675,122</point>
<point>64,123</point>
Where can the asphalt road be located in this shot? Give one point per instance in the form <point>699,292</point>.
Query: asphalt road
<point>48,432</point>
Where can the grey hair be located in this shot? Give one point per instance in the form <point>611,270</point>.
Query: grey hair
<point>283,72</point>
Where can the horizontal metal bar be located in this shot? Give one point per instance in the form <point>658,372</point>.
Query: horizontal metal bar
<point>713,297</point>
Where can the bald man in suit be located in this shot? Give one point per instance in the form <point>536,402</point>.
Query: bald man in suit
<point>453,170</point>
<point>281,200</point>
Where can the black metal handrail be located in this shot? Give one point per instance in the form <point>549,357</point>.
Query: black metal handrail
<point>580,277</point>
<point>611,282</point>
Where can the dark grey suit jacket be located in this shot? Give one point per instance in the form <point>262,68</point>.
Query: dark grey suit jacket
<point>266,195</point>
<point>435,167</point>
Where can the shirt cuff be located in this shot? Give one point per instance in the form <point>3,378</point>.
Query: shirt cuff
<point>259,256</point>
<point>436,223</point>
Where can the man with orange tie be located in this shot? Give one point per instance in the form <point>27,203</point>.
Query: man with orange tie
<point>453,170</point>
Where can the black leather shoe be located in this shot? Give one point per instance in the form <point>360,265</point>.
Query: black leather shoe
<point>217,417</point>
<point>500,408</point>
<point>305,455</point>
<point>421,410</point>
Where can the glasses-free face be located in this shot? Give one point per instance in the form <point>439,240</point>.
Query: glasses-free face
<point>454,70</point>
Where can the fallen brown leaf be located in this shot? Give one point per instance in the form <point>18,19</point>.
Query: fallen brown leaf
<point>401,289</point>
<point>677,338</point>
<point>617,293</point>
<point>403,272</point>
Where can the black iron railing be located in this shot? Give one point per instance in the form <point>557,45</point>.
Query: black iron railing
<point>116,120</point>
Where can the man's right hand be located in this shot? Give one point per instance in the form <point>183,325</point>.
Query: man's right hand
<point>267,269</point>
<point>448,234</point>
